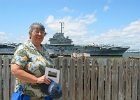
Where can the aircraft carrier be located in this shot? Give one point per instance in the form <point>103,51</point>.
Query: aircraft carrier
<point>7,48</point>
<point>62,46</point>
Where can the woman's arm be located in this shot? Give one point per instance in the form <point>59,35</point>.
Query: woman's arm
<point>27,77</point>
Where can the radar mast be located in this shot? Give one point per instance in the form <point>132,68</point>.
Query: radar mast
<point>62,23</point>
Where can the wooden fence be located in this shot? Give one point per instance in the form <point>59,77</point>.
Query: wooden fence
<point>87,79</point>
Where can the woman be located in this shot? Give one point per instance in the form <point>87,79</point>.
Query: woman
<point>29,62</point>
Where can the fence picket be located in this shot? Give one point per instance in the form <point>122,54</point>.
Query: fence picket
<point>65,83</point>
<point>6,77</point>
<point>87,79</point>
<point>101,80</point>
<point>134,79</point>
<point>121,80</point>
<point>115,80</point>
<point>94,79</point>
<point>1,91</point>
<point>72,80</point>
<point>79,80</point>
<point>128,79</point>
<point>108,80</point>
<point>138,79</point>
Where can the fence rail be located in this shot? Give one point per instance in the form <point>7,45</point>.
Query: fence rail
<point>88,79</point>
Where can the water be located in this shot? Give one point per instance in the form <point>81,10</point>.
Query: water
<point>132,54</point>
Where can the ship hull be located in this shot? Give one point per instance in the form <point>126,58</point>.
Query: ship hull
<point>104,51</point>
<point>6,50</point>
<point>67,50</point>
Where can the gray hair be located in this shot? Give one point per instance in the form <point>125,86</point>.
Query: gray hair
<point>32,26</point>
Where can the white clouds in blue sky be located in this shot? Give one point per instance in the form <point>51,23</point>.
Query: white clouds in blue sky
<point>106,6</point>
<point>67,10</point>
<point>72,26</point>
<point>85,21</point>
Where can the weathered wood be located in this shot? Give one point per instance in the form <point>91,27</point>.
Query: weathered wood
<point>108,80</point>
<point>138,79</point>
<point>72,80</point>
<point>58,66</point>
<point>94,79</point>
<point>79,80</point>
<point>101,78</point>
<point>134,79</point>
<point>12,80</point>
<point>65,79</point>
<point>128,80</point>
<point>6,78</point>
<point>1,92</point>
<point>115,80</point>
<point>121,79</point>
<point>87,79</point>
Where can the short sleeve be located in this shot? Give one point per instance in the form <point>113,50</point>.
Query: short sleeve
<point>20,57</point>
<point>49,61</point>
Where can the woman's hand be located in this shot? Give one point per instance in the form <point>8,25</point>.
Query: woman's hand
<point>27,77</point>
<point>43,79</point>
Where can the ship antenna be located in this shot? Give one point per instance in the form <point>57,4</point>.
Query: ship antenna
<point>62,23</point>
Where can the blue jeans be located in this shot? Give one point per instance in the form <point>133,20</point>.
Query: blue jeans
<point>48,98</point>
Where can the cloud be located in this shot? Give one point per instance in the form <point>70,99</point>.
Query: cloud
<point>126,36</point>
<point>106,6</point>
<point>3,37</point>
<point>73,27</point>
<point>21,39</point>
<point>10,38</point>
<point>77,30</point>
<point>67,10</point>
<point>2,33</point>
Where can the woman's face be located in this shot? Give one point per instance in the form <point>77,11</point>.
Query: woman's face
<point>37,35</point>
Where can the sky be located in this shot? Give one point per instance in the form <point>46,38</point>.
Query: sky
<point>86,22</point>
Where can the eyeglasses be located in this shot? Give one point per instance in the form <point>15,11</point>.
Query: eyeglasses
<point>39,32</point>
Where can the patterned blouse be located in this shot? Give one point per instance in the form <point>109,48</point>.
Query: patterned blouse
<point>34,62</point>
